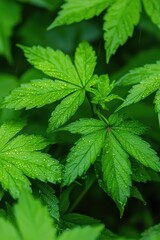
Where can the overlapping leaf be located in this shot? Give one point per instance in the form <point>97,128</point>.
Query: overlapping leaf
<point>147,80</point>
<point>75,11</point>
<point>20,158</point>
<point>119,24</point>
<point>116,171</point>
<point>117,140</point>
<point>33,222</point>
<point>69,85</point>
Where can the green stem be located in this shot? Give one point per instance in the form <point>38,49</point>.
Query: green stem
<point>82,194</point>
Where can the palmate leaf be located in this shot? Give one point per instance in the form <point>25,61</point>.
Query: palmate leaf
<point>116,169</point>
<point>83,154</point>
<point>75,11</point>
<point>119,24</point>
<point>20,157</point>
<point>152,8</point>
<point>70,86</point>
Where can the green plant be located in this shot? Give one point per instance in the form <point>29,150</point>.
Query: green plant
<point>77,109</point>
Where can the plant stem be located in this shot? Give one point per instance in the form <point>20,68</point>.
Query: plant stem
<point>82,194</point>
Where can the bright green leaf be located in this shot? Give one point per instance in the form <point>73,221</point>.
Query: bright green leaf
<point>138,148</point>
<point>85,62</point>
<point>119,24</point>
<point>76,11</point>
<point>7,231</point>
<point>152,8</point>
<point>137,75</point>
<point>116,171</point>
<point>85,126</point>
<point>66,109</point>
<point>83,154</point>
<point>33,219</point>
<point>85,233</point>
<point>37,93</point>
<point>19,157</point>
<point>53,63</point>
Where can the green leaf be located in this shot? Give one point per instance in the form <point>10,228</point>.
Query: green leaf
<point>137,75</point>
<point>85,233</point>
<point>80,219</point>
<point>140,91</point>
<point>66,109</point>
<point>119,24</point>
<point>152,8</point>
<point>33,219</point>
<point>137,194</point>
<point>138,148</point>
<point>157,101</point>
<point>85,62</point>
<point>116,171</point>
<point>152,233</point>
<point>83,154</point>
<point>85,126</point>
<point>8,231</point>
<point>7,22</point>
<point>53,63</point>
<point>19,157</point>
<point>48,197</point>
<point>132,126</point>
<point>37,93</point>
<point>148,81</point>
<point>76,11</point>
<point>102,91</point>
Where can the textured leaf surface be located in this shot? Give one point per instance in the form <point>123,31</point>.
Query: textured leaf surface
<point>157,101</point>
<point>116,171</point>
<point>85,233</point>
<point>76,11</point>
<point>33,219</point>
<point>37,93</point>
<point>7,23</point>
<point>137,75</point>
<point>47,194</point>
<point>19,157</point>
<point>66,109</point>
<point>138,148</point>
<point>85,126</point>
<point>140,91</point>
<point>53,63</point>
<point>85,62</point>
<point>152,8</point>
<point>119,24</point>
<point>83,154</point>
